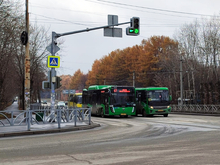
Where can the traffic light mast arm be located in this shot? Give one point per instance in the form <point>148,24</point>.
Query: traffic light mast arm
<point>89,29</point>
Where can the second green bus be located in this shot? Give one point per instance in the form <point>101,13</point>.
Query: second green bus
<point>153,101</point>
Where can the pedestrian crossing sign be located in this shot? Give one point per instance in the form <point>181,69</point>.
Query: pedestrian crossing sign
<point>53,62</point>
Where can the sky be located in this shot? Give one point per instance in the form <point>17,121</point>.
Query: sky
<point>79,51</point>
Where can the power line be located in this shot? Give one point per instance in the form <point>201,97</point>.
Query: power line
<point>77,23</point>
<point>62,9</point>
<point>155,9</point>
<point>59,19</point>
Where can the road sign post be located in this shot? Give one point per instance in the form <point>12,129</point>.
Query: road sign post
<point>53,63</point>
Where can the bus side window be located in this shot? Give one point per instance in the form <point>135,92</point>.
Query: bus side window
<point>98,99</point>
<point>75,99</point>
<point>90,97</point>
<point>103,97</point>
<point>94,98</point>
<point>139,96</point>
<point>144,97</point>
<point>106,100</point>
<point>84,97</point>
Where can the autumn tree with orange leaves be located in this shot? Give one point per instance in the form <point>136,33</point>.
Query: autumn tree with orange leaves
<point>78,80</point>
<point>145,60</point>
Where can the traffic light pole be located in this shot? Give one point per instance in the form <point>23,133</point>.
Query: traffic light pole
<point>53,74</point>
<point>89,29</point>
<point>53,51</point>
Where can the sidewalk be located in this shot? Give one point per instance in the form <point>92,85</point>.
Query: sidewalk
<point>6,131</point>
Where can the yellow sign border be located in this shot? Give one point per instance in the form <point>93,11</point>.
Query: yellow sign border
<point>48,61</point>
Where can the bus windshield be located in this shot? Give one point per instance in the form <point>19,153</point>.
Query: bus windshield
<point>122,97</point>
<point>158,97</point>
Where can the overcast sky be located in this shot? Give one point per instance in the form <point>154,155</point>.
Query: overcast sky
<point>79,51</point>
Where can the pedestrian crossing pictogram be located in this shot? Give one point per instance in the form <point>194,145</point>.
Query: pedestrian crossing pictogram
<point>53,62</point>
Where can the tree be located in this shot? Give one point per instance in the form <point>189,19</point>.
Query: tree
<point>77,81</point>
<point>12,54</point>
<point>94,74</point>
<point>199,45</point>
<point>119,66</point>
<point>38,41</point>
<point>9,25</point>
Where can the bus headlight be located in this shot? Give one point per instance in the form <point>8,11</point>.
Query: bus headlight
<point>168,106</point>
<point>151,107</point>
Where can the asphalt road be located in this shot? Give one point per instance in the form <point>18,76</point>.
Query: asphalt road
<point>177,139</point>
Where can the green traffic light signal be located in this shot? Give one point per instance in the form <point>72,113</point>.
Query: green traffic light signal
<point>136,31</point>
<point>131,30</point>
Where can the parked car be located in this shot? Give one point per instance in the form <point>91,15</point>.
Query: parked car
<point>61,104</point>
<point>44,103</point>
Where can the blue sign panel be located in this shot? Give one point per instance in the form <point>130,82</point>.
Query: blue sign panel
<point>53,62</point>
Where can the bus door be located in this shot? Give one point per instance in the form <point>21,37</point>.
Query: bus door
<point>85,98</point>
<point>94,102</point>
<point>138,97</point>
<point>138,102</point>
<point>106,101</point>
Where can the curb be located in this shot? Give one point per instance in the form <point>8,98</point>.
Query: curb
<point>69,129</point>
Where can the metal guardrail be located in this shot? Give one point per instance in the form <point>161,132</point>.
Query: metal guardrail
<point>204,109</point>
<point>42,116</point>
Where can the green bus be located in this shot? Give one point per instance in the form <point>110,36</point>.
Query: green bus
<point>110,100</point>
<point>153,101</point>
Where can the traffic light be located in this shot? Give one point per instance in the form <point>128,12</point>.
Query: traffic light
<point>54,38</point>
<point>45,85</point>
<point>134,28</point>
<point>58,82</point>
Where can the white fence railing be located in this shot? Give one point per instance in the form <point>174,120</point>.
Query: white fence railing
<point>45,116</point>
<point>207,109</point>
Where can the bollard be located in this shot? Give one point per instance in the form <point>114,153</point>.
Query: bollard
<point>59,117</point>
<point>28,114</point>
<point>89,116</point>
<point>12,119</point>
<point>82,114</point>
<point>75,117</point>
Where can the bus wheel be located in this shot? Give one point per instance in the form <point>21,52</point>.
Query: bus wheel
<point>144,113</point>
<point>166,115</point>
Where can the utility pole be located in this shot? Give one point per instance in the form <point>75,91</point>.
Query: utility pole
<point>27,65</point>
<point>181,80</point>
